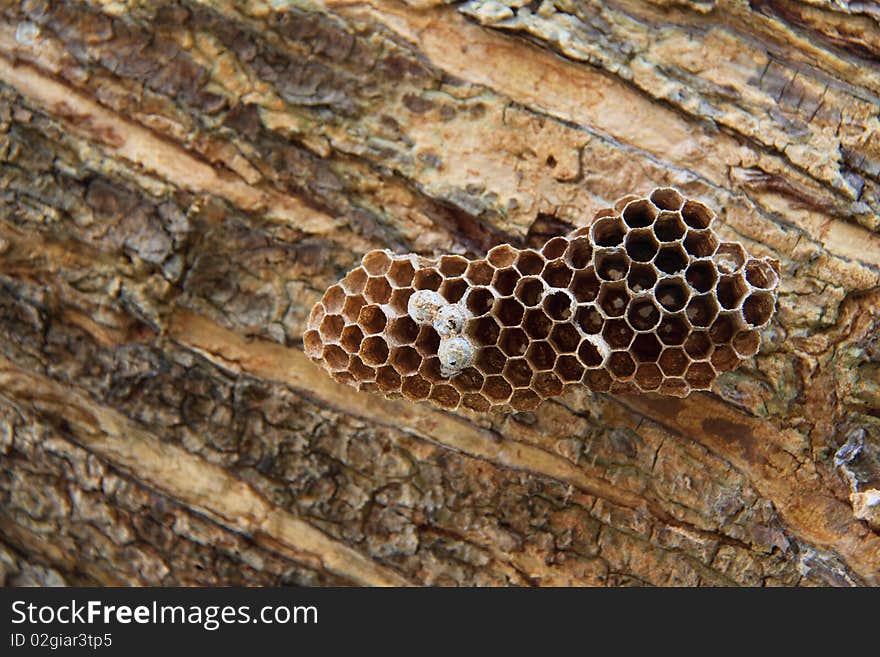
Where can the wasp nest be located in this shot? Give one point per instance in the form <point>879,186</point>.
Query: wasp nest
<point>647,298</point>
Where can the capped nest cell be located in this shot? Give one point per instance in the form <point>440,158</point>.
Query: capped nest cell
<point>647,298</point>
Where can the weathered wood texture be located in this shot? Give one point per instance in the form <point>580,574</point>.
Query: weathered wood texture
<point>180,182</point>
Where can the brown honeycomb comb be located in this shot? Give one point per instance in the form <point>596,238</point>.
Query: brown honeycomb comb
<point>647,298</point>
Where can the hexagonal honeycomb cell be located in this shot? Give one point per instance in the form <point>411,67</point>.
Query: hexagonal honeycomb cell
<point>647,298</point>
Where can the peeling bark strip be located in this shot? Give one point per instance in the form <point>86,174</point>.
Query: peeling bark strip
<point>128,141</point>
<point>183,477</point>
<point>180,182</point>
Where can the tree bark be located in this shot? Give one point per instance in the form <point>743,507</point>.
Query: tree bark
<point>181,181</point>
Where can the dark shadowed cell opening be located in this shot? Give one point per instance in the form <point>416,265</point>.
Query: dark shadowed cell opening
<point>608,231</point>
<point>746,343</point>
<point>497,389</point>
<point>696,215</point>
<point>761,274</point>
<point>613,300</point>
<point>673,329</point>
<point>557,274</point>
<point>569,369</point>
<point>484,330</point>
<point>701,276</point>
<point>639,214</point>
<point>722,329</point>
<point>589,319</point>
<point>529,291</point>
<point>453,290</point>
<point>405,360</point>
<point>641,277</point>
<point>702,310</point>
<point>529,263</point>
<point>372,319</point>
<point>698,345</point>
<point>731,290</point>
<point>643,315</point>
<point>445,396</point>
<point>646,348</point>
<point>401,273</point>
<point>468,380</point>
<point>565,338</point>
<point>428,341</point>
<point>670,259</point>
<point>579,253</point>
<point>509,311</point>
<point>480,272</point>
<point>558,306</point>
<point>648,376</point>
<point>431,370</point>
<point>547,385</point>
<point>621,364</point>
<point>476,402</point>
<point>700,243</point>
<point>351,339</point>
<point>758,308</point>
<point>669,227</point>
<point>452,265</point>
<point>363,373</point>
<point>667,198</point>
<point>672,294</point>
<point>513,342</point>
<point>331,327</point>
<point>374,350</point>
<point>427,279</point>
<point>400,299</point>
<point>589,355</point>
<point>700,375</point>
<point>641,245</point>
<point>612,265</point>
<point>378,290</point>
<point>335,357</point>
<point>554,248</point>
<point>598,380</point>
<point>490,360</point>
<point>673,361</point>
<point>724,358</point>
<point>505,281</point>
<point>387,379</point>
<point>541,355</point>
<point>536,323</point>
<point>525,400</point>
<point>617,333</point>
<point>518,372</point>
<point>416,388</point>
<point>585,285</point>
<point>479,300</point>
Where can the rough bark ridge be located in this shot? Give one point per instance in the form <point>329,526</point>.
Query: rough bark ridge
<point>181,181</point>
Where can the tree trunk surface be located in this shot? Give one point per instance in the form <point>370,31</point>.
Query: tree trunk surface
<point>181,182</point>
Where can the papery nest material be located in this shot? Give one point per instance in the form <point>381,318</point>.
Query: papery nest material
<point>647,298</point>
